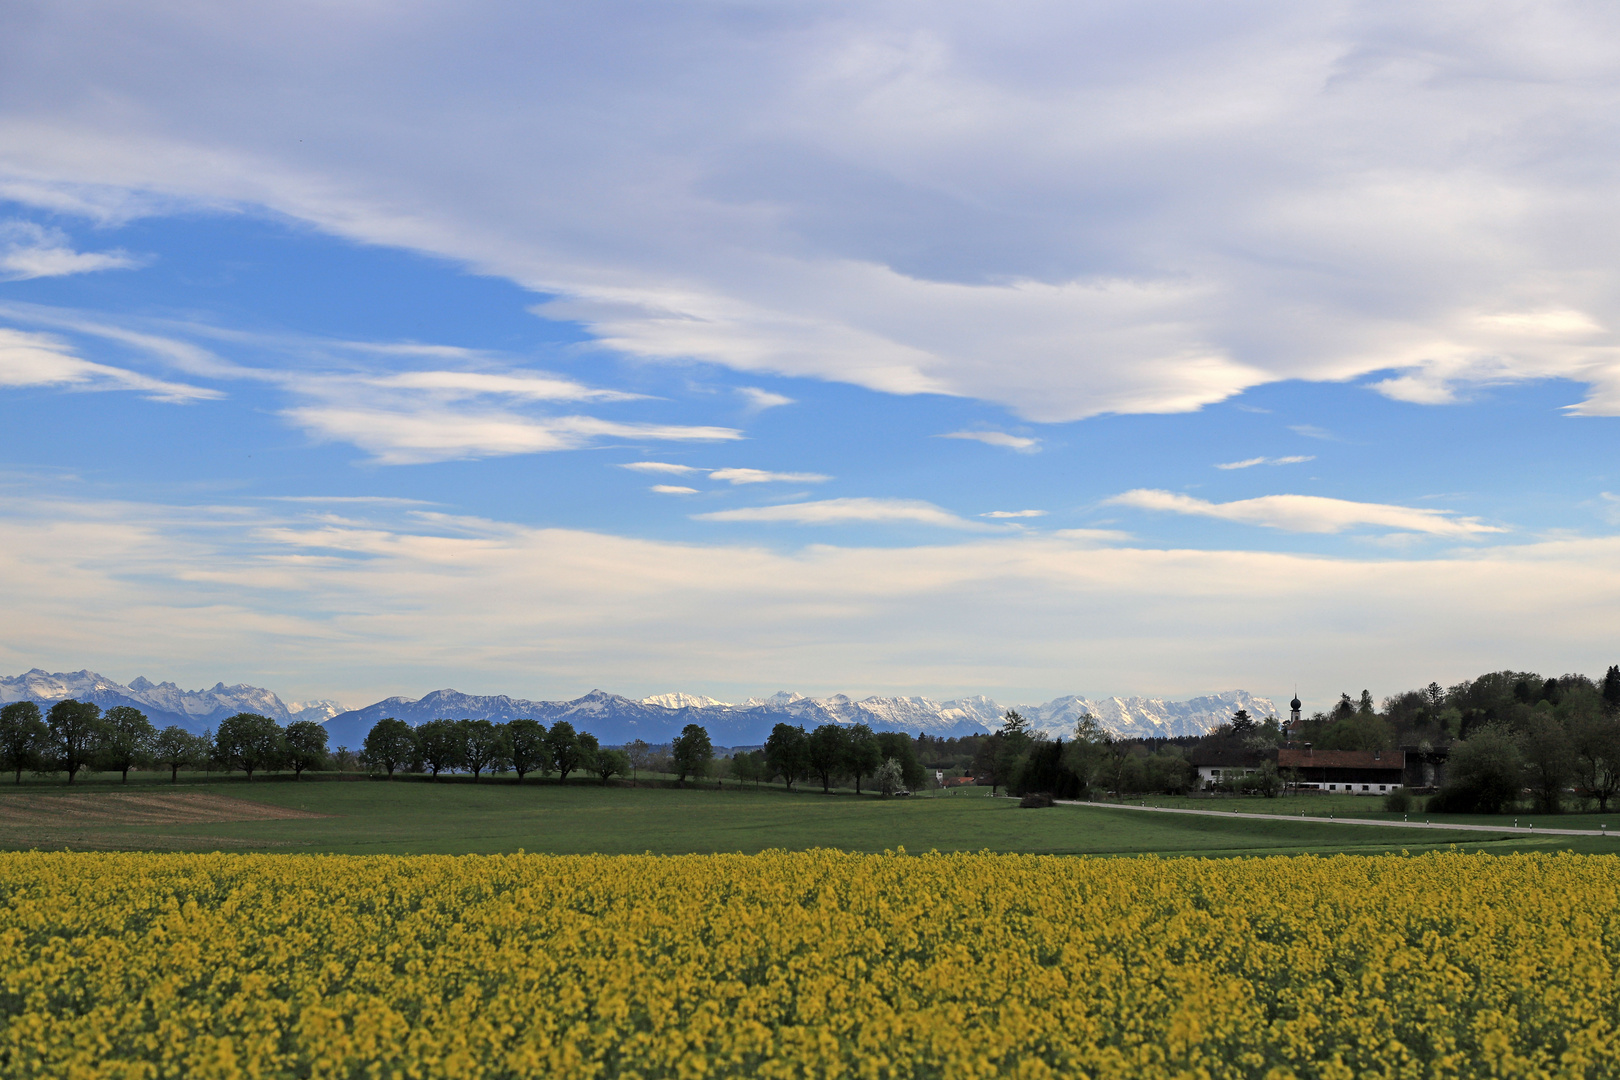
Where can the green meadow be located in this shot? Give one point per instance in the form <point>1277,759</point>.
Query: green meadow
<point>359,815</point>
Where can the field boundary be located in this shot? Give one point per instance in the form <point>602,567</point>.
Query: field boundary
<point>1514,830</point>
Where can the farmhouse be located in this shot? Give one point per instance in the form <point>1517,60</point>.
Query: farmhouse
<point>1222,764</point>
<point>1357,772</point>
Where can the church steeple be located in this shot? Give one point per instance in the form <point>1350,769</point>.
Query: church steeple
<point>1293,710</point>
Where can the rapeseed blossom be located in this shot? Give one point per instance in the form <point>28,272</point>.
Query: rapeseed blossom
<point>808,964</point>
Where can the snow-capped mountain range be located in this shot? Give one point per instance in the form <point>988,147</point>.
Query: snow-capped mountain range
<point>616,720</point>
<point>163,703</point>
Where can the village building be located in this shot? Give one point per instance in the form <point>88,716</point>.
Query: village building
<point>1223,764</point>
<point>1354,772</point>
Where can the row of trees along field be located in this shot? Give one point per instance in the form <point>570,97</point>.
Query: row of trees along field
<point>75,737</point>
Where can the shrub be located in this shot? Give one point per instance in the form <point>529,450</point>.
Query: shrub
<point>1398,801</point>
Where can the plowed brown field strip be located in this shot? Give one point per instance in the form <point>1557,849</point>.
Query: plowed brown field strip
<point>116,808</point>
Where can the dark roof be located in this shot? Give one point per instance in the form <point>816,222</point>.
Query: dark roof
<point>1223,757</point>
<point>1292,758</point>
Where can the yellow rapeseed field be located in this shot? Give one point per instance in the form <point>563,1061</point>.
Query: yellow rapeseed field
<point>810,964</point>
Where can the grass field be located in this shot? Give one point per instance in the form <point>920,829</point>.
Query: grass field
<point>453,816</point>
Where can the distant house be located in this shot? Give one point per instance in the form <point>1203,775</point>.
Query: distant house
<point>1355,772</point>
<point>1217,765</point>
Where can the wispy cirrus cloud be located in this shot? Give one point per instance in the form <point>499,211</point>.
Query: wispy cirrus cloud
<point>764,476</point>
<point>1249,463</point>
<point>759,400</point>
<point>28,251</point>
<point>673,489</point>
<point>660,467</point>
<point>407,435</point>
<point>847,511</point>
<point>997,438</point>
<point>1014,514</point>
<point>1310,513</point>
<point>518,385</point>
<point>44,361</point>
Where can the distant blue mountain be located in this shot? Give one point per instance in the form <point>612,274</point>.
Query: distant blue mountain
<point>613,719</point>
<point>616,720</point>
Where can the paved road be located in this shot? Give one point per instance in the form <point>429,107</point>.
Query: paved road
<point>1529,829</point>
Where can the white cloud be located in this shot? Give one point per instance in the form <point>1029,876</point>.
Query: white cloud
<point>411,436</point>
<point>317,608</point>
<point>846,511</point>
<point>528,386</point>
<point>761,476</point>
<point>1311,431</point>
<point>660,467</point>
<point>400,417</point>
<point>1014,514</point>
<point>673,489</point>
<point>361,500</point>
<point>1069,211</point>
<point>1309,513</point>
<point>40,360</point>
<point>1249,463</point>
<point>996,438</point>
<point>28,251</point>
<point>760,400</point>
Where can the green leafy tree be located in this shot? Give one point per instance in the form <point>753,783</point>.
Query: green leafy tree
<point>1012,747</point>
<point>442,745</point>
<point>861,754</point>
<point>611,763</point>
<point>250,742</point>
<point>828,752</point>
<point>691,752</point>
<point>1611,688</point>
<point>897,745</point>
<point>562,746</point>
<point>75,732</point>
<point>526,747</point>
<point>126,741</point>
<point>483,744</point>
<point>588,749</point>
<point>1266,780</point>
<point>787,753</point>
<point>306,746</point>
<point>23,737</point>
<point>747,765</point>
<point>176,748</point>
<point>640,755</point>
<point>1089,752</point>
<point>389,745</point>
<point>1549,760</point>
<point>889,777</point>
<point>1435,697</point>
<point>1483,775</point>
<point>1596,742</point>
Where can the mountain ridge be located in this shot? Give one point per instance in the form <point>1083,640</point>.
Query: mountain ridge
<point>615,719</point>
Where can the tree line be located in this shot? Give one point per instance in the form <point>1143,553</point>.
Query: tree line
<point>74,737</point>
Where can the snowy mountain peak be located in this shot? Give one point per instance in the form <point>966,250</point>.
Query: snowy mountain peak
<point>163,702</point>
<point>678,700</point>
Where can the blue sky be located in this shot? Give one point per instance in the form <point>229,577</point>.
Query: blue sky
<point>1101,349</point>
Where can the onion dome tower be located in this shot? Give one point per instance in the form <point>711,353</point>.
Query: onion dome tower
<point>1293,711</point>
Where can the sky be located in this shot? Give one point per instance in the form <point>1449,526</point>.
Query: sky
<point>357,349</point>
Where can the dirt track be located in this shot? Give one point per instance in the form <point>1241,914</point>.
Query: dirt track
<point>116,808</point>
